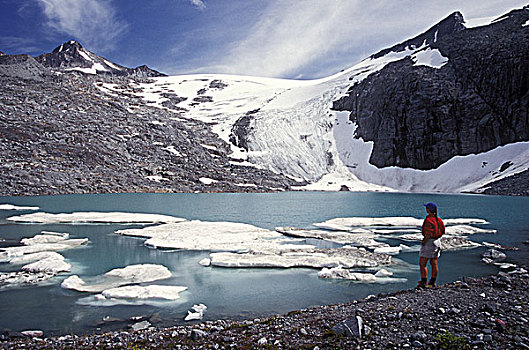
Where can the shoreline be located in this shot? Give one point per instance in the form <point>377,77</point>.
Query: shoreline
<point>486,313</point>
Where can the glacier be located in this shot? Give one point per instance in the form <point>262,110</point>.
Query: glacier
<point>294,131</point>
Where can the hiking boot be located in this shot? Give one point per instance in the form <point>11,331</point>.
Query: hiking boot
<point>421,285</point>
<point>431,284</point>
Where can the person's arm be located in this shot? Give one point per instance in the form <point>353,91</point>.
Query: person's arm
<point>425,239</point>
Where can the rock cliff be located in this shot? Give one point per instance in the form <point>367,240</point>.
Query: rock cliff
<point>420,116</point>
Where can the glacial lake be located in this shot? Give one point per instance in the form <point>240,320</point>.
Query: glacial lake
<point>236,293</point>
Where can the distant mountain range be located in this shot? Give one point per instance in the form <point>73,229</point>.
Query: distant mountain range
<point>444,111</point>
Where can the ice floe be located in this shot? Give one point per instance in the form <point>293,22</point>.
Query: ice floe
<point>466,230</point>
<point>39,254</point>
<point>359,237</point>
<point>23,278</point>
<point>118,277</point>
<point>51,264</point>
<point>346,224</point>
<point>94,218</point>
<point>144,292</point>
<point>212,236</point>
<point>390,250</point>
<point>448,242</point>
<point>316,258</point>
<point>16,207</point>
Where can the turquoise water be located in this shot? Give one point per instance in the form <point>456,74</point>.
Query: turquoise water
<point>236,293</point>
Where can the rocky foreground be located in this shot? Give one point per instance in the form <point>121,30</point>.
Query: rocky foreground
<point>476,313</point>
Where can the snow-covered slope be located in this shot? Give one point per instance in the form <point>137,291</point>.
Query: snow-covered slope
<point>294,131</point>
<point>288,126</point>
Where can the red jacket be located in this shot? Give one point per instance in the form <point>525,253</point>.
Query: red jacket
<point>433,227</point>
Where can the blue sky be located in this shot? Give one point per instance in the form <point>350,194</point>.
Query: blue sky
<point>278,38</point>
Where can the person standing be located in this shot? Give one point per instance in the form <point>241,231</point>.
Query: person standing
<point>432,230</point>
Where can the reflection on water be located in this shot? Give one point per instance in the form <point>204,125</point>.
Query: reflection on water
<point>235,293</point>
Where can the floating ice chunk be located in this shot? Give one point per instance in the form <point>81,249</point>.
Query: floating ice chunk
<point>45,238</point>
<point>201,235</point>
<point>94,218</point>
<point>341,273</point>
<point>144,292</point>
<point>360,238</point>
<point>466,230</point>
<point>140,325</point>
<point>11,252</point>
<point>348,223</point>
<point>463,221</point>
<point>15,207</point>
<point>29,258</point>
<point>383,273</point>
<point>393,231</point>
<point>52,264</point>
<point>317,258</point>
<point>388,250</point>
<point>33,333</point>
<point>205,262</point>
<point>448,242</point>
<point>118,277</point>
<point>198,314</point>
<point>23,277</point>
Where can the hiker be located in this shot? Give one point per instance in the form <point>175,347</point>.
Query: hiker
<point>432,230</point>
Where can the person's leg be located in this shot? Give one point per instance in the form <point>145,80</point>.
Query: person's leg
<point>424,271</point>
<point>435,271</point>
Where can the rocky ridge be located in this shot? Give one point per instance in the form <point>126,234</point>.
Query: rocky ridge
<point>476,313</point>
<point>420,116</point>
<point>60,133</point>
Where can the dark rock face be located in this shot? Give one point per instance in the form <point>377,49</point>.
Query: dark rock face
<point>420,116</point>
<point>241,129</point>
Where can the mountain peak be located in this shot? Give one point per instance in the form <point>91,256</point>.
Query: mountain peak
<point>71,45</point>
<point>451,24</point>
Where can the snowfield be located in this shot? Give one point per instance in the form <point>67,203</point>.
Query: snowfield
<point>293,130</point>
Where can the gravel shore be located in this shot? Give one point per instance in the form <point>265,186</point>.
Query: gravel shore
<point>475,313</point>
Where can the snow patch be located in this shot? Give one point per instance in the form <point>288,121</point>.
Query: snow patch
<point>431,58</point>
<point>207,180</point>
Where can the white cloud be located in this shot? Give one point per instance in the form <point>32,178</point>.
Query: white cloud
<point>93,22</point>
<point>293,38</point>
<point>198,3</point>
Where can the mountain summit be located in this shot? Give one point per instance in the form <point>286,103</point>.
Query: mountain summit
<point>72,56</point>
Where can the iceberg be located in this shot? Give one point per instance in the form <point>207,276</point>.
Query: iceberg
<point>118,277</point>
<point>95,218</point>
<point>29,258</point>
<point>144,292</point>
